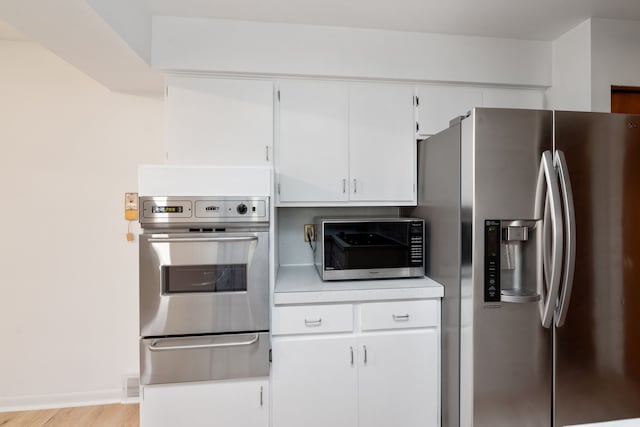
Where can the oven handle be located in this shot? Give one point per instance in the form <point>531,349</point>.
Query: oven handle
<point>153,347</point>
<point>202,239</point>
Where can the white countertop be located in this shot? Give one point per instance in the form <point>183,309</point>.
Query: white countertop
<point>631,422</point>
<point>302,285</point>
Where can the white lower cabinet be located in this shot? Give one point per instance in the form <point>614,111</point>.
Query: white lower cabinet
<point>384,371</point>
<point>233,403</point>
<point>315,382</point>
<point>398,382</point>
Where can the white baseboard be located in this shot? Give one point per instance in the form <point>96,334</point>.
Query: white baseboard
<point>60,400</point>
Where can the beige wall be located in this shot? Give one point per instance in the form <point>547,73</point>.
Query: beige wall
<point>68,281</point>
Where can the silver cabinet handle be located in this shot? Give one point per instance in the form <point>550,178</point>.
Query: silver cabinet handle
<point>365,354</point>
<point>344,185</point>
<point>546,174</point>
<point>316,322</point>
<point>355,186</point>
<point>154,345</point>
<point>400,318</point>
<point>351,349</point>
<point>267,152</point>
<point>570,249</point>
<point>201,239</point>
<point>261,399</point>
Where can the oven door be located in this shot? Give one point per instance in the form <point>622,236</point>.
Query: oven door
<point>204,283</point>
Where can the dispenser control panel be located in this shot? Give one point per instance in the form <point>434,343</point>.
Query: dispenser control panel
<point>492,237</point>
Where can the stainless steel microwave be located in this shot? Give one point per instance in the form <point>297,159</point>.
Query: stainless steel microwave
<point>369,248</point>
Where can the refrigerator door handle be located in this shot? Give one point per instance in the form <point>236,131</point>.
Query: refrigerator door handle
<point>549,290</point>
<point>570,227</point>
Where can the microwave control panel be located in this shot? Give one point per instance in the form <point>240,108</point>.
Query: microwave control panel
<point>416,233</point>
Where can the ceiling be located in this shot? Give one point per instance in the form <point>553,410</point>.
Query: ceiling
<point>543,20</point>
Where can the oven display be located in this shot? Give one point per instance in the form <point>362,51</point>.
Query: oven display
<point>166,209</point>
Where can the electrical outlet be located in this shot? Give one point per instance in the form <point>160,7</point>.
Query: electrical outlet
<point>131,206</point>
<point>309,232</point>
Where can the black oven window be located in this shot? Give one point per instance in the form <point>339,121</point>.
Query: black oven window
<point>204,278</point>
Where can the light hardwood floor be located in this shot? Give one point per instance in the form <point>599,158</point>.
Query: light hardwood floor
<point>93,416</point>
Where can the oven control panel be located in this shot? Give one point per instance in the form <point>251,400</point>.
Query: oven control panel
<point>204,209</point>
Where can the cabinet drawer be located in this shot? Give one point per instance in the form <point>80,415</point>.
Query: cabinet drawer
<point>400,314</point>
<point>312,319</point>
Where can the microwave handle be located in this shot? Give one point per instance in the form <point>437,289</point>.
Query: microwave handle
<point>202,239</point>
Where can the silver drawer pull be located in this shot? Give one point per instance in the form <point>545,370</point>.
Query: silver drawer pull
<point>400,318</point>
<point>316,322</point>
<point>154,347</point>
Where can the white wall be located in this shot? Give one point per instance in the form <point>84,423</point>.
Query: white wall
<point>571,70</point>
<point>226,46</point>
<point>616,58</point>
<point>591,58</point>
<point>131,20</point>
<point>69,285</point>
<point>75,32</point>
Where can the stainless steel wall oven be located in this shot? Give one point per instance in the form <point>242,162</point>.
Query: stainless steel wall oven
<point>204,288</point>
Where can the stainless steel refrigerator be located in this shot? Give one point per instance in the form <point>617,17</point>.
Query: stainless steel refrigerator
<point>533,227</point>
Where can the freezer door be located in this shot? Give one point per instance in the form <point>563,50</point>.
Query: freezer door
<point>597,350</point>
<point>505,352</point>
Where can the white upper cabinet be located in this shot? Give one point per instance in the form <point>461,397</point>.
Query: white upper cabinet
<point>513,98</point>
<point>219,122</point>
<point>381,143</point>
<point>345,144</point>
<point>437,105</point>
<point>312,154</point>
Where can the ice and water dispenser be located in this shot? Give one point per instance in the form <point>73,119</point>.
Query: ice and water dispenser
<point>511,261</point>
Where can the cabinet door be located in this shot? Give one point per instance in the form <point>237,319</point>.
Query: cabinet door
<point>382,145</point>
<point>219,122</point>
<point>513,98</point>
<point>238,403</point>
<point>437,105</point>
<point>399,382</point>
<point>312,162</point>
<point>314,382</point>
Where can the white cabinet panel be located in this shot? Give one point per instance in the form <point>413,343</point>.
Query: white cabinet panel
<point>238,403</point>
<point>381,143</point>
<point>513,98</point>
<point>312,319</point>
<point>314,382</point>
<point>360,378</point>
<point>439,104</point>
<point>312,157</point>
<point>219,122</point>
<point>399,315</point>
<point>398,382</point>
<point>342,143</point>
